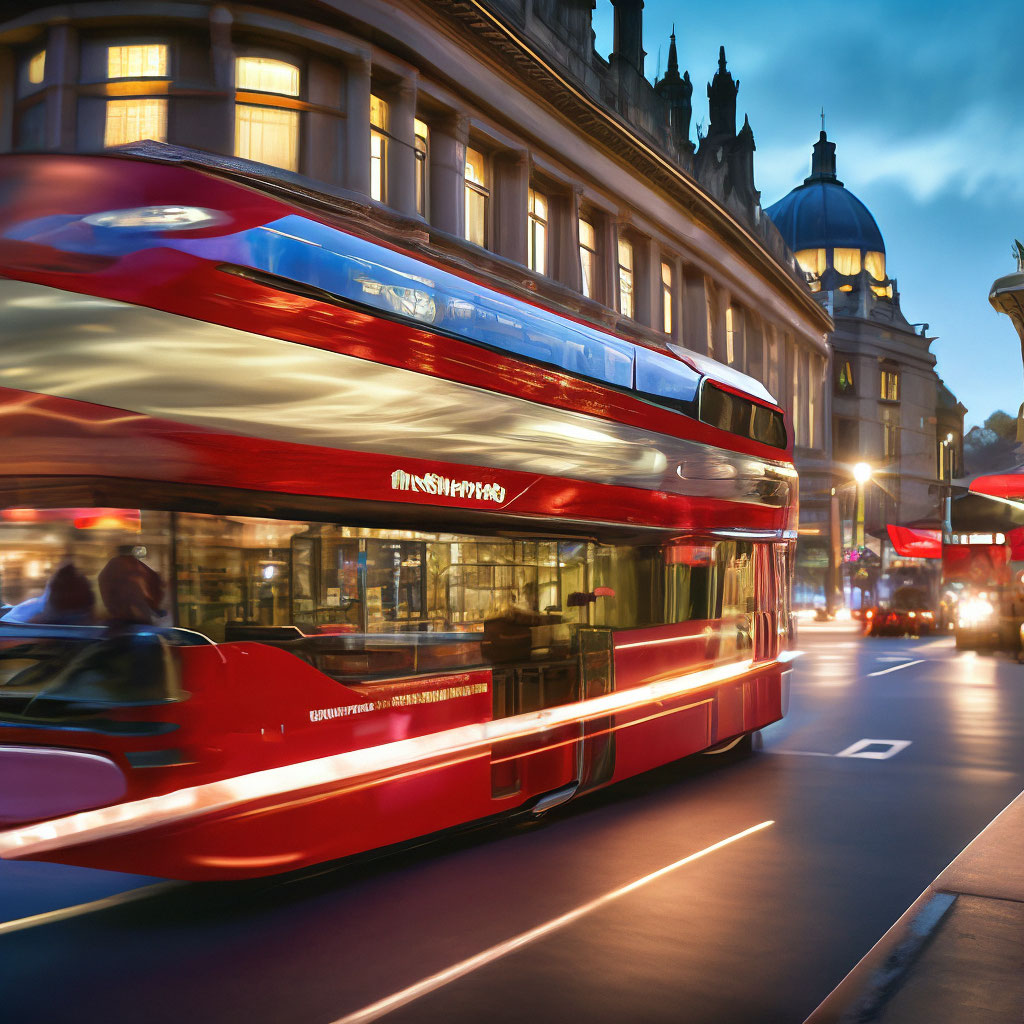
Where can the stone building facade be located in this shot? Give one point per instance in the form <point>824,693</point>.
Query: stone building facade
<point>889,407</point>
<point>491,136</point>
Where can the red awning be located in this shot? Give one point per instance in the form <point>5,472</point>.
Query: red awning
<point>914,542</point>
<point>1001,485</point>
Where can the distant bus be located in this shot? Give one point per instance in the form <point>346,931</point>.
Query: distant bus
<point>310,546</point>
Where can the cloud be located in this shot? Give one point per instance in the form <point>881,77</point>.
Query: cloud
<point>973,157</point>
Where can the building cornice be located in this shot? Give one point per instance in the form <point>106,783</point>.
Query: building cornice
<point>509,46</point>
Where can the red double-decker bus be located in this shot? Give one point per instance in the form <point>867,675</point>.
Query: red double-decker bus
<point>310,545</point>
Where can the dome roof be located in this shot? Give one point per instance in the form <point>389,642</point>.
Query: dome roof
<point>823,214</point>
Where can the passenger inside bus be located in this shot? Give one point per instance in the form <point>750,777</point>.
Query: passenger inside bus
<point>68,600</point>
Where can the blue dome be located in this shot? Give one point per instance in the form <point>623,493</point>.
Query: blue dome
<point>825,215</point>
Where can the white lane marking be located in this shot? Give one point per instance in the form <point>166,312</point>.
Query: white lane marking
<point>435,981</point>
<point>52,916</point>
<point>896,668</point>
<point>894,657</point>
<point>859,749</point>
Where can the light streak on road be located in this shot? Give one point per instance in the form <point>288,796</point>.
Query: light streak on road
<point>435,981</point>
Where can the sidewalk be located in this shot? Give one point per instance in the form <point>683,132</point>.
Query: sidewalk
<point>957,955</point>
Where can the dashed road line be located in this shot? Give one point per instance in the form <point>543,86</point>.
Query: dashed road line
<point>896,668</point>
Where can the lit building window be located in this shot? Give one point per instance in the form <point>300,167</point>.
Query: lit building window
<point>588,257</point>
<point>421,143</point>
<point>267,135</point>
<point>37,68</point>
<point>148,61</point>
<point>477,197</point>
<point>730,335</point>
<point>626,297</point>
<point>135,120</point>
<point>846,261</point>
<point>890,385</point>
<point>874,264</point>
<point>844,377</point>
<point>537,231</point>
<point>666,297</point>
<point>812,261</point>
<point>378,148</point>
<point>262,74</point>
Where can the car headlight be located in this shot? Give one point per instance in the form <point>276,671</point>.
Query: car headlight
<point>974,611</point>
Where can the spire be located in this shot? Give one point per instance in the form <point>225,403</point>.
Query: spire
<point>746,133</point>
<point>676,93</point>
<point>722,100</point>
<point>673,59</point>
<point>823,161</point>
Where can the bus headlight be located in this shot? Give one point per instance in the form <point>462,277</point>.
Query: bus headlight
<point>974,611</point>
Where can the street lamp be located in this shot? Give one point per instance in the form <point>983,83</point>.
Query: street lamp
<point>862,474</point>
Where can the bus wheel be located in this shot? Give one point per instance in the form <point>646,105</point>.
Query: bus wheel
<point>737,748</point>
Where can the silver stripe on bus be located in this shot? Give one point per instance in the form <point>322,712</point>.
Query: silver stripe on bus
<point>159,364</point>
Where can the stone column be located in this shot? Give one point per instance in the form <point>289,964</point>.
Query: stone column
<point>62,101</point>
<point>695,310</point>
<point>565,238</point>
<point>217,122</point>
<point>650,285</point>
<point>357,125</point>
<point>321,132</point>
<point>8,88</point>
<point>722,300</point>
<point>511,185</point>
<point>446,165</point>
<point>608,231</point>
<point>402,147</point>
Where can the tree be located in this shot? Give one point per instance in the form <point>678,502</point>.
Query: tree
<point>1003,425</point>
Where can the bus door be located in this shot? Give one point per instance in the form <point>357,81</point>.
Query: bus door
<point>597,677</point>
<point>767,567</point>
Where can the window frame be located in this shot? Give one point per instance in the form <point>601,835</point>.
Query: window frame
<point>482,191</point>
<point>889,373</point>
<point>380,133</point>
<point>667,297</point>
<point>421,155</point>
<point>538,230</point>
<point>286,104</point>
<point>594,256</point>
<point>625,276</point>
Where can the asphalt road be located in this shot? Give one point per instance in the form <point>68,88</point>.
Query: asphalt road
<point>537,923</point>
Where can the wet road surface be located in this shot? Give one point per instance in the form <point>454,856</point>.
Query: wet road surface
<point>894,755</point>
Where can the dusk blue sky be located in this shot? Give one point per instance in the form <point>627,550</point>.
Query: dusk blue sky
<point>925,103</point>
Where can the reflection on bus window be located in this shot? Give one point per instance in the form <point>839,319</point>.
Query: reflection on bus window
<point>241,578</point>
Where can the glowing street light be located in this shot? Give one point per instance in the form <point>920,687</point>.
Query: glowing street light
<point>862,473</point>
